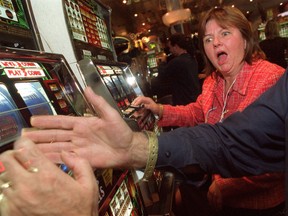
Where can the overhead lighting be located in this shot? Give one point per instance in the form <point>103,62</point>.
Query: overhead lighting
<point>124,1</point>
<point>135,15</point>
<point>175,16</point>
<point>283,14</point>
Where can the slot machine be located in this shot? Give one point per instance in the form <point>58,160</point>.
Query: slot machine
<point>32,82</point>
<point>116,78</point>
<point>38,83</point>
<point>80,30</point>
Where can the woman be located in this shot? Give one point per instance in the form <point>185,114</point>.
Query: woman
<point>237,75</point>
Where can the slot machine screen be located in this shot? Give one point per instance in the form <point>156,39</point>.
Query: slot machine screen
<point>121,203</point>
<point>7,11</point>
<point>35,98</point>
<point>89,24</point>
<point>11,121</point>
<point>119,86</point>
<point>16,26</point>
<point>112,88</point>
<point>124,84</point>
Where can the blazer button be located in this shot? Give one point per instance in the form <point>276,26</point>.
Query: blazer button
<point>168,154</point>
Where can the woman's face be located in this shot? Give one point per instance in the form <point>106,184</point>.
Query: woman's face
<point>224,47</point>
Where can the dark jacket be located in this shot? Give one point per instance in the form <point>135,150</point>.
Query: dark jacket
<point>275,49</point>
<point>183,72</point>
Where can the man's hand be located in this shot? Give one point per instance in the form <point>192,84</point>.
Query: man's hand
<point>105,140</point>
<point>37,187</point>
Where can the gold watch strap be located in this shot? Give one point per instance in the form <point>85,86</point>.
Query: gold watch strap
<point>153,154</point>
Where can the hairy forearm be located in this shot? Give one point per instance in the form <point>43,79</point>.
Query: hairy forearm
<point>139,150</point>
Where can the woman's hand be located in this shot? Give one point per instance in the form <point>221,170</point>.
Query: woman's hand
<point>148,103</point>
<point>214,196</point>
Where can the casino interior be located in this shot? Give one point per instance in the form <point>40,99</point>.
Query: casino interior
<point>114,46</point>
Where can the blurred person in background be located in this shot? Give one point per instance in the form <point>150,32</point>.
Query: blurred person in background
<point>181,70</point>
<point>274,46</point>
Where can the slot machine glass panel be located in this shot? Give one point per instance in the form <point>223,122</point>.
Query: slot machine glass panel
<point>11,122</point>
<point>35,83</point>
<point>35,98</point>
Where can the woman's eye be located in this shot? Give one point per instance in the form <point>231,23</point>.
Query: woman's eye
<point>225,33</point>
<point>208,40</point>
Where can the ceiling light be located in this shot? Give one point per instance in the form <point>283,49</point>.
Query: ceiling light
<point>175,16</point>
<point>135,14</point>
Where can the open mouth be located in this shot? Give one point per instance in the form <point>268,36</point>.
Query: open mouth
<point>221,56</point>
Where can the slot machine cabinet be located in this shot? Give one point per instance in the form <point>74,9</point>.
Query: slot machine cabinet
<point>125,199</point>
<point>35,83</point>
<point>77,29</point>
<point>147,120</point>
<point>114,78</point>
<point>81,30</point>
<point>17,25</point>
